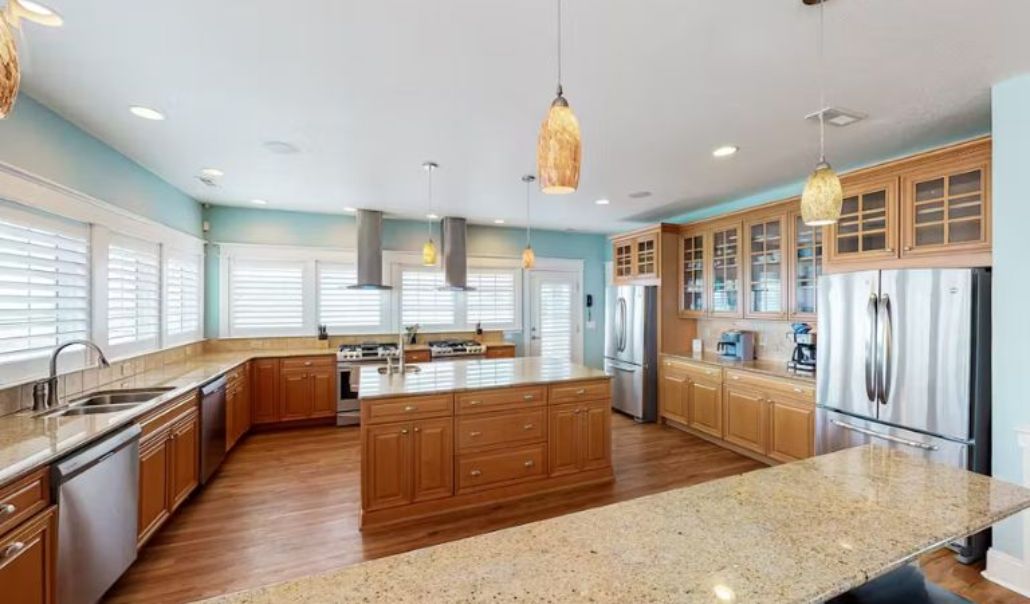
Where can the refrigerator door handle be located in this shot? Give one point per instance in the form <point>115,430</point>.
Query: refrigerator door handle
<point>886,352</point>
<point>624,369</point>
<point>870,349</point>
<point>887,437</point>
<point>621,338</point>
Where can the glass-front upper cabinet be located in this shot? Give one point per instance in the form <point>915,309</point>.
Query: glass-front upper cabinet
<point>946,204</point>
<point>806,266</point>
<point>766,269</point>
<point>693,256</point>
<point>622,259</point>
<point>646,261</point>
<point>867,229</point>
<point>726,274</point>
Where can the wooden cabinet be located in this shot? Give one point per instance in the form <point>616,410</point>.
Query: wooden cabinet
<point>307,389</point>
<point>765,266</point>
<point>433,459</point>
<point>264,391</point>
<point>184,475</point>
<point>868,225</point>
<point>792,425</point>
<point>407,462</point>
<point>746,419</point>
<point>295,394</point>
<point>705,407</point>
<point>418,356</point>
<point>806,264</point>
<point>622,259</point>
<point>726,276</point>
<point>323,393</point>
<point>637,256</point>
<point>169,463</point>
<point>28,557</point>
<point>694,273</point>
<point>500,351</point>
<point>580,437</point>
<point>154,500</point>
<point>645,256</point>
<point>673,391</point>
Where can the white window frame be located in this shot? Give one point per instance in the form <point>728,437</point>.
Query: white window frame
<point>152,342</point>
<point>168,253</point>
<point>384,300</point>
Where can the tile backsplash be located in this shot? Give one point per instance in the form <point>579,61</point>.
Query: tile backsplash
<point>771,341</point>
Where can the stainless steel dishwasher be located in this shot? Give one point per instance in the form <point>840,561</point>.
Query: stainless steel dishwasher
<point>97,492</point>
<point>212,427</point>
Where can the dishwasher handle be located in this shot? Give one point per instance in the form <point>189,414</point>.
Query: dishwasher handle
<point>213,386</point>
<point>82,460</point>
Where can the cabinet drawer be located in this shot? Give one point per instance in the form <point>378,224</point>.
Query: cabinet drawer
<point>501,429</point>
<point>234,375</point>
<point>500,351</point>
<point>23,498</point>
<point>411,407</point>
<point>499,399</point>
<point>163,417</point>
<point>696,371</point>
<point>417,356</point>
<point>795,390</point>
<point>493,469</point>
<point>308,362</point>
<point>581,391</point>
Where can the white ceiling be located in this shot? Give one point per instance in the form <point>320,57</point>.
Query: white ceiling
<point>368,90</point>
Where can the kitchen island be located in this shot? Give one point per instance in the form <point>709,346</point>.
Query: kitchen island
<point>453,435</point>
<point>800,532</point>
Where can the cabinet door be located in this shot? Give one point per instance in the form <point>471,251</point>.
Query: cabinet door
<point>792,435</point>
<point>645,256</point>
<point>622,259</point>
<point>246,410</point>
<point>805,267</point>
<point>563,442</point>
<point>705,411</point>
<point>868,226</point>
<point>386,464</point>
<point>154,498</point>
<point>295,395</point>
<point>726,275</point>
<point>693,277</point>
<point>185,456</point>
<point>433,459</point>
<point>766,268</point>
<point>946,208</point>
<point>27,561</point>
<point>747,423</point>
<point>596,433</point>
<point>323,389</point>
<point>264,391</point>
<point>674,392</point>
<point>231,417</point>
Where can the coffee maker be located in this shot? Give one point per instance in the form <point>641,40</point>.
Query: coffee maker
<point>803,359</point>
<point>737,344</point>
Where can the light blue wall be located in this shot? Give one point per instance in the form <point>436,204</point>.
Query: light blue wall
<point>244,225</point>
<point>38,140</point>
<point>1011,214</point>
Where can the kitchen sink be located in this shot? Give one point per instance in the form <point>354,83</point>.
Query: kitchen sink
<point>108,401</point>
<point>407,369</point>
<point>96,409</point>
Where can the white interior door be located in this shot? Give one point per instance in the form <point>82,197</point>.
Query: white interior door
<point>554,315</point>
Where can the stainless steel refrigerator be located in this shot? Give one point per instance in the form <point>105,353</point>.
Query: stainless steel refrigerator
<point>631,349</point>
<point>904,361</point>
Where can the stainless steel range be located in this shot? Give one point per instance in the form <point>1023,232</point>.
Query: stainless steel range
<point>456,348</point>
<point>349,360</point>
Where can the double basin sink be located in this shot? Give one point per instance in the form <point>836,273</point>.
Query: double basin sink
<point>107,401</point>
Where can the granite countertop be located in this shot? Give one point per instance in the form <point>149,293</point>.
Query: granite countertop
<point>28,442</point>
<point>472,374</point>
<point>800,532</point>
<point>764,367</point>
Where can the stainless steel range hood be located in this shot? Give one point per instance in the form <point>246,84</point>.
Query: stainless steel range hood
<point>370,251</point>
<point>455,257</point>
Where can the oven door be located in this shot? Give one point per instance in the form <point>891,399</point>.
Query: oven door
<point>348,410</point>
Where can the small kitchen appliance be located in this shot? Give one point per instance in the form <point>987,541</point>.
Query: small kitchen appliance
<point>803,358</point>
<point>737,344</point>
<point>456,348</point>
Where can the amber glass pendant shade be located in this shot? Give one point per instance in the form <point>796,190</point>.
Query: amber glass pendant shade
<point>822,198</point>
<point>528,257</point>
<point>429,253</point>
<point>10,71</point>
<point>559,150</point>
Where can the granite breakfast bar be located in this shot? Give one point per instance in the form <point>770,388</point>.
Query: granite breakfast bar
<point>800,532</point>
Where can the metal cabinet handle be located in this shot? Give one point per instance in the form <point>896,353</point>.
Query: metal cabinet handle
<point>474,403</point>
<point>581,391</point>
<point>7,509</point>
<point>404,431</point>
<point>734,377</point>
<point>475,434</point>
<point>908,248</point>
<point>798,390</point>
<point>527,397</point>
<point>410,408</point>
<point>307,363</point>
<point>527,427</point>
<point>475,473</point>
<point>887,437</point>
<point>12,550</point>
<point>529,464</point>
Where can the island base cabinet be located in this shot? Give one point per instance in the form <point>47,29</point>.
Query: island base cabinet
<point>792,426</point>
<point>580,437</point>
<point>407,463</point>
<point>433,459</point>
<point>705,411</point>
<point>28,557</point>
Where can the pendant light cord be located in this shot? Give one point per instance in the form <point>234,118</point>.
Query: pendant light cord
<point>429,196</point>
<point>559,48</point>
<point>528,183</point>
<point>822,84</point>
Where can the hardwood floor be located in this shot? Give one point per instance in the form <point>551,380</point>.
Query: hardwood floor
<point>287,504</point>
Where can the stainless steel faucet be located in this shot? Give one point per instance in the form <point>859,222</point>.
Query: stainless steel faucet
<point>400,351</point>
<point>44,392</point>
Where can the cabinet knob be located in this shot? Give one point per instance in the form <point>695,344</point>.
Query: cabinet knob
<point>475,434</point>
<point>473,403</point>
<point>404,431</point>
<point>908,248</point>
<point>307,363</point>
<point>890,249</point>
<point>529,463</point>
<point>798,390</point>
<point>410,408</point>
<point>734,377</point>
<point>527,397</point>
<point>475,473</point>
<point>581,391</point>
<point>417,429</point>
<point>6,509</point>
<point>527,427</point>
<point>12,550</point>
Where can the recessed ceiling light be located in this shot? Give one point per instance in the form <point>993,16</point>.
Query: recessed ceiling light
<point>212,172</point>
<point>432,216</point>
<point>147,113</point>
<point>349,209</point>
<point>725,151</point>
<point>498,221</point>
<point>259,202</point>
<point>603,202</point>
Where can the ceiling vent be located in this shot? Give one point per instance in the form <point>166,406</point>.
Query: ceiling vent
<point>640,195</point>
<point>208,180</point>
<point>838,116</point>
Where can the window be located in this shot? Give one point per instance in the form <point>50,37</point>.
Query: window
<point>44,286</point>
<point>182,296</point>
<point>493,300</point>
<point>266,297</point>
<point>347,310</point>
<point>422,301</point>
<point>133,299</point>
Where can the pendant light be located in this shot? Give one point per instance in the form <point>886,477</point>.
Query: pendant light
<point>429,254</point>
<point>528,257</point>
<point>10,69</point>
<point>559,150</point>
<point>822,198</point>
